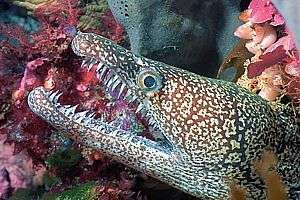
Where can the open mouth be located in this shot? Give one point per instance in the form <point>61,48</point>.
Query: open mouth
<point>69,118</point>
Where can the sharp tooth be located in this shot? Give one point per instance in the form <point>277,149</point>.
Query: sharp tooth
<point>107,77</point>
<point>128,93</point>
<point>101,75</point>
<point>90,66</point>
<point>63,108</point>
<point>47,93</point>
<point>117,82</point>
<point>115,132</point>
<point>112,80</point>
<point>82,114</point>
<point>55,100</point>
<point>84,62</point>
<point>139,108</point>
<point>151,121</point>
<point>90,116</point>
<point>132,99</point>
<point>79,119</point>
<point>121,89</point>
<point>100,64</point>
<point>149,118</point>
<point>148,115</point>
<point>92,63</point>
<point>53,95</point>
<point>89,61</point>
<point>57,105</point>
<point>71,110</point>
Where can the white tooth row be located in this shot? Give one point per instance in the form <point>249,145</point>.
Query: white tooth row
<point>85,117</point>
<point>54,96</point>
<point>112,81</point>
<point>109,78</point>
<point>90,63</point>
<point>70,111</point>
<point>88,118</point>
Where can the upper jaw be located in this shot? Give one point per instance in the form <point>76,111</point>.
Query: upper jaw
<point>117,68</point>
<point>117,86</point>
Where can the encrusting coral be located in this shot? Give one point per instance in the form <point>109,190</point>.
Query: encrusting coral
<point>274,70</point>
<point>189,32</point>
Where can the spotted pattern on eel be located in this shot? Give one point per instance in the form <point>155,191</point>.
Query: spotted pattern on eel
<point>212,130</point>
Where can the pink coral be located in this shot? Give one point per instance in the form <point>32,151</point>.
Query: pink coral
<point>274,50</point>
<point>261,36</point>
<point>293,68</point>
<point>19,168</point>
<point>264,11</point>
<point>283,51</point>
<point>5,188</point>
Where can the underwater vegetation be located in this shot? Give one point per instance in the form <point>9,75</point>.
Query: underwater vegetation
<point>39,161</point>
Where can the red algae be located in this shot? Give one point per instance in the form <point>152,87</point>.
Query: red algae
<point>45,58</point>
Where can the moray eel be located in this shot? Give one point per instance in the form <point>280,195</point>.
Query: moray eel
<point>211,130</point>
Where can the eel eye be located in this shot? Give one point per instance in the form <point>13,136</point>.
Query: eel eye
<point>149,80</point>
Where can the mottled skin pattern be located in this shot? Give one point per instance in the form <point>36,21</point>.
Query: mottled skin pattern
<point>213,130</point>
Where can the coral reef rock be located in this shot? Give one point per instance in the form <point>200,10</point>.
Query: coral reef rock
<point>181,33</point>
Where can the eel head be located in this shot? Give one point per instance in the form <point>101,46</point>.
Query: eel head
<point>210,130</point>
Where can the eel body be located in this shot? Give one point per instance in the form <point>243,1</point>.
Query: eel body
<point>210,130</point>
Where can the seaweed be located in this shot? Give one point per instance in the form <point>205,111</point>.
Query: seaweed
<point>92,12</point>
<point>84,191</point>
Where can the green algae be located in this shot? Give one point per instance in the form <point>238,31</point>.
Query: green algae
<point>85,191</point>
<point>27,194</point>
<point>92,14</point>
<point>50,181</point>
